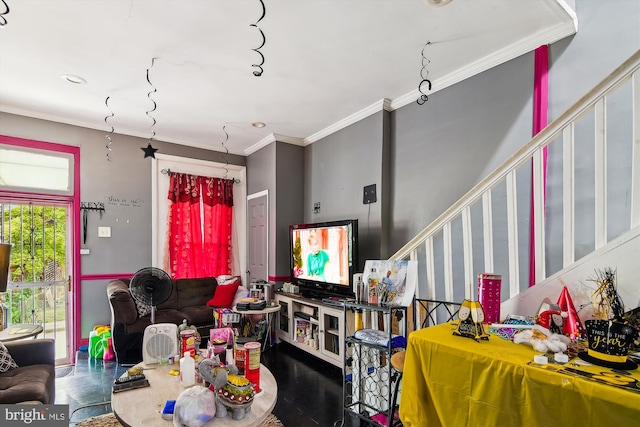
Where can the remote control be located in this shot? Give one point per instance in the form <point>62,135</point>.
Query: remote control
<point>129,378</point>
<point>117,388</point>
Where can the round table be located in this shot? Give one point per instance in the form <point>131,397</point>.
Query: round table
<point>268,312</point>
<point>143,406</point>
<point>19,331</point>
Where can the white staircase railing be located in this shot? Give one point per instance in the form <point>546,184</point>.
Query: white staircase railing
<point>446,245</point>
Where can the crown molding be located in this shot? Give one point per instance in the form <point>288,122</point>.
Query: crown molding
<point>274,137</point>
<point>499,57</point>
<point>383,104</point>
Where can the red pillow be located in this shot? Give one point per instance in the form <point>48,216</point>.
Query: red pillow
<point>223,295</point>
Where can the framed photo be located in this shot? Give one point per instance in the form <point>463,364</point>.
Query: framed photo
<point>389,282</point>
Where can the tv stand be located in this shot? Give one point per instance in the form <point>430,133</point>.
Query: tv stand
<point>315,295</point>
<point>312,326</point>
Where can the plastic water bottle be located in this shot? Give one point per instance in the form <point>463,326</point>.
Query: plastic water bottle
<point>187,370</point>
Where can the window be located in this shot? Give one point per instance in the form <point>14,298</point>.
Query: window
<point>27,169</point>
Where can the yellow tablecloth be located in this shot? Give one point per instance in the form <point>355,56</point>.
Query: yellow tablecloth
<point>454,381</point>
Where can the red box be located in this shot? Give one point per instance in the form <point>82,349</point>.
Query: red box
<point>489,286</point>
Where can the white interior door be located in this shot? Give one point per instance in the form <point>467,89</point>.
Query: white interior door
<point>258,210</point>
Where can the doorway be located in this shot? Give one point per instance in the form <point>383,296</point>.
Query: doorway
<point>38,192</point>
<point>258,211</point>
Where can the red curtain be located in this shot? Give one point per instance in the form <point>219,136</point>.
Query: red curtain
<point>217,200</point>
<point>191,254</point>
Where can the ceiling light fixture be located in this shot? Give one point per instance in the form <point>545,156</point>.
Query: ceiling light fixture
<point>74,79</point>
<point>258,124</point>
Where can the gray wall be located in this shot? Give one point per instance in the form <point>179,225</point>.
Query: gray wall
<point>444,147</point>
<point>337,169</point>
<point>123,185</point>
<point>279,168</point>
<point>261,176</point>
<point>289,172</point>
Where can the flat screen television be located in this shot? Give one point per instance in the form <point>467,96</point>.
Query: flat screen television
<point>324,256</point>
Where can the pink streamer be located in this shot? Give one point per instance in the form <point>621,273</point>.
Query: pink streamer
<point>540,121</point>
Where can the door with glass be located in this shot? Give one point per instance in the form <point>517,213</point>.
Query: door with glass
<point>36,205</point>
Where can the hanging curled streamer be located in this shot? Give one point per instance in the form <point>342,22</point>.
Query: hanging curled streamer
<point>3,20</point>
<point>424,73</point>
<point>154,90</point>
<point>108,136</point>
<point>259,70</point>
<point>226,161</point>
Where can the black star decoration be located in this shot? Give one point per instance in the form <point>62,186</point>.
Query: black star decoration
<point>149,151</point>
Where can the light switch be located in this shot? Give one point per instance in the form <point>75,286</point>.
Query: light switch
<point>104,231</point>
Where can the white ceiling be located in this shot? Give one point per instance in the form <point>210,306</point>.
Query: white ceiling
<point>327,63</point>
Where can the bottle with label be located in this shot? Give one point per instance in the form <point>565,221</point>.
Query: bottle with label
<point>187,370</point>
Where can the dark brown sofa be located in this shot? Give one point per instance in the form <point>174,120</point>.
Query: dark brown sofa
<point>187,301</point>
<point>34,378</point>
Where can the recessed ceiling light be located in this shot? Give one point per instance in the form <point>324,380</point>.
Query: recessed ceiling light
<point>258,124</point>
<point>74,79</point>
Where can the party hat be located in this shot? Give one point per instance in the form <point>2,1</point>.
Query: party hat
<point>572,326</point>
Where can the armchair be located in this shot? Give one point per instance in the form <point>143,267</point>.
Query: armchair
<point>34,378</point>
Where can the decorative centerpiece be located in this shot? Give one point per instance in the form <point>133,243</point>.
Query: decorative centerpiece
<point>471,317</point>
<point>610,336</point>
<point>609,343</point>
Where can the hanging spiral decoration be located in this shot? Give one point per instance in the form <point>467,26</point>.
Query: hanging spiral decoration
<point>108,136</point>
<point>3,20</point>
<point>152,91</point>
<point>424,73</point>
<point>226,161</point>
<point>259,70</point>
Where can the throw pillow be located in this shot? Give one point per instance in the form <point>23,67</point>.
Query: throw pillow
<point>224,294</point>
<point>6,361</point>
<point>142,307</point>
<point>241,293</point>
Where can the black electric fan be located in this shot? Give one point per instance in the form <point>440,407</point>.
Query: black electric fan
<point>151,285</point>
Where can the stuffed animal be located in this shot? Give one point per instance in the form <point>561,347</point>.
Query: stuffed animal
<point>552,320</point>
<point>542,339</point>
<point>233,392</point>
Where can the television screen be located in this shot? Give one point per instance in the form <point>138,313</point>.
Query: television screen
<point>324,256</point>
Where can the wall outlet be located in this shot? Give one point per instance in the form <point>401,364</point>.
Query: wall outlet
<point>85,251</point>
<point>369,195</point>
<point>104,231</point>
<point>316,207</point>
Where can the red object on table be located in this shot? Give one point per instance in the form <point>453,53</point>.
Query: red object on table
<point>572,326</point>
<point>252,364</point>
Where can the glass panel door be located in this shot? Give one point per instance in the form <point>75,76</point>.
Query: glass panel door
<point>39,268</point>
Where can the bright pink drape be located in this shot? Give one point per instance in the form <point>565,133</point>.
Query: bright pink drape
<point>217,198</point>
<point>184,235</point>
<point>193,253</point>
<point>540,121</point>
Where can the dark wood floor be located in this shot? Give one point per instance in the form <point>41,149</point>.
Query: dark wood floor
<point>309,390</point>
